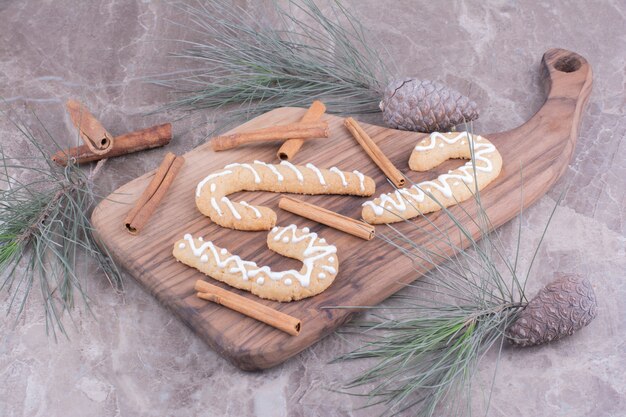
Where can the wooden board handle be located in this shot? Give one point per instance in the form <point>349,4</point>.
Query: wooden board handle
<point>565,73</point>
<point>568,78</point>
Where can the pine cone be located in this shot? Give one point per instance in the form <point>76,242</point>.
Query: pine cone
<point>425,106</point>
<point>565,305</point>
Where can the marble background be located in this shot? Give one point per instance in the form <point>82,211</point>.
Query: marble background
<point>132,358</point>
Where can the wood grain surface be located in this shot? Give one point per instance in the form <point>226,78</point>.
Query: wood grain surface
<point>370,271</point>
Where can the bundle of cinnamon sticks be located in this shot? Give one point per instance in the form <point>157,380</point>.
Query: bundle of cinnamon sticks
<point>310,127</point>
<point>147,204</point>
<point>293,134</point>
<point>100,144</point>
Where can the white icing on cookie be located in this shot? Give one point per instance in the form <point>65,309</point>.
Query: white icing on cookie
<point>329,269</point>
<point>361,179</point>
<point>209,178</point>
<point>216,207</point>
<point>402,199</point>
<point>317,172</point>
<point>279,176</point>
<point>231,207</point>
<point>240,265</point>
<point>315,251</point>
<point>341,175</point>
<point>438,135</point>
<point>260,176</point>
<point>292,167</point>
<point>256,211</point>
<point>257,179</point>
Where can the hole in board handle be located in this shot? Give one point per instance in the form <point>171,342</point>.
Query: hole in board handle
<point>567,64</point>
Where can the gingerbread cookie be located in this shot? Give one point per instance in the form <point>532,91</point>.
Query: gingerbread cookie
<point>318,272</point>
<point>284,178</point>
<point>448,189</point>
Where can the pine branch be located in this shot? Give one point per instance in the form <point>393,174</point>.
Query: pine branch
<point>255,67</point>
<point>44,230</point>
<point>426,355</point>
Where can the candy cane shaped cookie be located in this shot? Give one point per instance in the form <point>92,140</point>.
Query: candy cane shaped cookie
<point>212,191</point>
<point>448,189</point>
<point>319,259</point>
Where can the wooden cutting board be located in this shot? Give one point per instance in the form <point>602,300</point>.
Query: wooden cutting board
<point>369,271</point>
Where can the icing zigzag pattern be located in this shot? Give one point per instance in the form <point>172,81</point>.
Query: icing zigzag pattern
<point>319,259</point>
<point>448,189</point>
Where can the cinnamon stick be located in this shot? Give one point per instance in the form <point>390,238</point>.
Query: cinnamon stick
<point>143,209</point>
<point>290,147</point>
<point>247,307</point>
<point>298,130</point>
<point>91,131</point>
<point>375,153</point>
<point>139,140</point>
<point>327,217</point>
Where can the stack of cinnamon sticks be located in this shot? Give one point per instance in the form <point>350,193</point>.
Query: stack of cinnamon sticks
<point>147,204</point>
<point>99,144</point>
<point>294,134</point>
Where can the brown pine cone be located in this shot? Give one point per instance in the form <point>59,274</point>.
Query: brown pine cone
<point>565,305</point>
<point>425,106</point>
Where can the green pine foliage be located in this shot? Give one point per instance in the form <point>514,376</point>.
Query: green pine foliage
<point>425,355</point>
<point>44,230</point>
<point>252,66</point>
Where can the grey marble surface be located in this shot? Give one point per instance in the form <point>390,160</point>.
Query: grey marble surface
<point>132,358</point>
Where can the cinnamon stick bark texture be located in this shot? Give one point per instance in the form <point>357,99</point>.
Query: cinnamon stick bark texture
<point>143,209</point>
<point>152,137</point>
<point>375,153</point>
<point>247,307</point>
<point>298,130</point>
<point>290,147</point>
<point>327,217</point>
<point>91,131</point>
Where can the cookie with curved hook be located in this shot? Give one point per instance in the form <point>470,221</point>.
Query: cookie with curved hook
<point>319,264</point>
<point>212,191</point>
<point>447,189</point>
